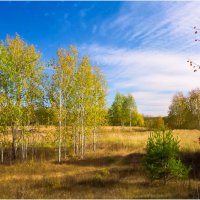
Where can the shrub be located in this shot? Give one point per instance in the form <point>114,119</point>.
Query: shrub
<point>161,161</point>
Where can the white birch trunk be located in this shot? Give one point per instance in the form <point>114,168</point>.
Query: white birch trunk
<point>94,139</point>
<point>14,143</point>
<point>130,121</point>
<point>60,131</point>
<point>77,146</point>
<point>82,138</point>
<point>23,149</point>
<point>26,150</point>
<point>74,131</point>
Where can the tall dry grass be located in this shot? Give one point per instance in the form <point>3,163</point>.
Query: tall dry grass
<point>113,171</point>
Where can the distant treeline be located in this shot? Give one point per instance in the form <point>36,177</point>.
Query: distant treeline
<point>155,122</point>
<point>184,111</point>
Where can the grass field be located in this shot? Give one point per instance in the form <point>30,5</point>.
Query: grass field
<point>113,171</point>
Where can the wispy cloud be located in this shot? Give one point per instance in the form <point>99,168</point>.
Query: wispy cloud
<point>155,24</point>
<point>83,12</point>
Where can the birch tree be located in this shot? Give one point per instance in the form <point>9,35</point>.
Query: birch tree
<point>20,68</point>
<point>3,124</point>
<point>84,79</point>
<point>115,112</point>
<point>62,80</point>
<point>99,103</point>
<point>122,110</point>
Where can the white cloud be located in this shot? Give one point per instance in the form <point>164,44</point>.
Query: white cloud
<point>152,102</point>
<point>153,77</point>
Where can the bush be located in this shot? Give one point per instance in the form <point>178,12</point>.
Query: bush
<point>161,161</point>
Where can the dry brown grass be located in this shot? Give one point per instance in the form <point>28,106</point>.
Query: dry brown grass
<point>113,171</point>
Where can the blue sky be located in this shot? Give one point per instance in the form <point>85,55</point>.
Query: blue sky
<point>142,47</point>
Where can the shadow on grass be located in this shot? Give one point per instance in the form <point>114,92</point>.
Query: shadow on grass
<point>141,130</point>
<point>100,161</point>
<point>134,158</point>
<point>74,182</point>
<point>98,183</point>
<point>192,159</point>
<point>106,177</point>
<point>33,154</point>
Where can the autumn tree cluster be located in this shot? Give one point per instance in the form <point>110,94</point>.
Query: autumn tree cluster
<point>123,112</point>
<point>154,122</point>
<point>184,111</point>
<point>71,96</point>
